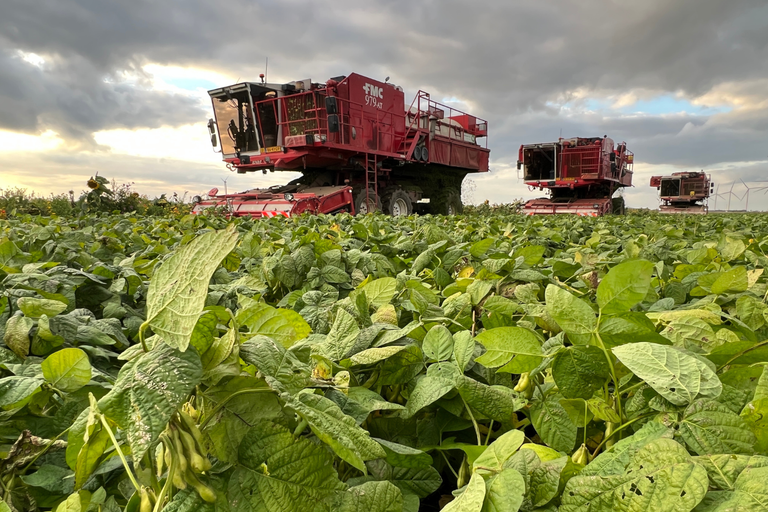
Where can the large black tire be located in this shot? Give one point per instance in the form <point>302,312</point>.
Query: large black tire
<point>361,207</point>
<point>447,202</point>
<point>396,203</point>
<point>617,206</point>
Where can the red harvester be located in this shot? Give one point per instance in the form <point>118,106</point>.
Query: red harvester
<point>581,175</point>
<point>357,144</point>
<point>684,192</point>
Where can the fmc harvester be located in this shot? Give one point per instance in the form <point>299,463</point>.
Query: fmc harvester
<point>684,192</point>
<point>581,175</point>
<point>356,143</point>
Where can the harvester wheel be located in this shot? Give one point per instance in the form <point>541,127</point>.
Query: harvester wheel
<point>397,203</point>
<point>617,206</point>
<point>447,202</point>
<point>363,206</point>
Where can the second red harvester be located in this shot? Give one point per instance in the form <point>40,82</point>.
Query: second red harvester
<point>581,174</point>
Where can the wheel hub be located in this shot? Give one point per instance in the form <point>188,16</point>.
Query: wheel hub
<point>399,208</point>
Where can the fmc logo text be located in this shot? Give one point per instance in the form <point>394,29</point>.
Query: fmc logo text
<point>374,91</point>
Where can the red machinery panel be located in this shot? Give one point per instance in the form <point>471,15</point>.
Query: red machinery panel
<point>373,115</point>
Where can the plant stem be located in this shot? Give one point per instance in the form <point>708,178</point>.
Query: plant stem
<point>762,343</point>
<point>44,450</point>
<point>621,428</point>
<point>633,387</point>
<point>449,465</point>
<point>230,397</point>
<point>477,429</point>
<point>490,430</point>
<point>119,452</point>
<point>609,358</point>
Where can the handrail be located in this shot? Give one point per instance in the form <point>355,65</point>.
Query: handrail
<point>314,120</point>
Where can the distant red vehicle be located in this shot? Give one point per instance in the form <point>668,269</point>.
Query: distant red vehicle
<point>684,192</point>
<point>581,175</point>
<point>349,131</point>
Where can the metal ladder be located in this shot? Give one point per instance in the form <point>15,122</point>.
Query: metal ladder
<point>371,178</point>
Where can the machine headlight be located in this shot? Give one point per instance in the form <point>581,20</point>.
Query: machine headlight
<point>288,196</point>
<point>197,199</point>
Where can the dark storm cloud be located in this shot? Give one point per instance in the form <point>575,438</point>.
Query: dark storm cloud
<point>510,59</point>
<point>70,96</point>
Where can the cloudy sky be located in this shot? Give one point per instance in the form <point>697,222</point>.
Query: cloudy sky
<point>119,86</point>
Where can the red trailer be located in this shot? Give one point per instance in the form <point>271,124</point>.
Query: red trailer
<point>684,192</point>
<point>351,131</point>
<point>581,175</point>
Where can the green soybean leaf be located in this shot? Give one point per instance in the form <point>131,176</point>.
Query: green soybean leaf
<point>428,390</point>
<point>380,291</point>
<point>755,414</point>
<point>67,370</point>
<point>188,500</point>
<point>579,371</point>
<point>374,355</point>
<point>545,480</point>
<point>573,315</point>
<point>204,332</point>
<point>733,281</point>
<point>624,285</point>
<point>370,497</point>
<point>438,344</point>
<point>419,481</point>
<point>402,367</point>
<point>553,424</point>
<point>54,479</point>
<point>342,337</point>
<point>478,249</point>
<point>337,430</point>
<point>504,492</point>
<point>178,289</point>
<point>279,472</point>
<point>724,469</point>
<point>676,376</point>
<point>471,500</point>
<point>463,348</point>
<point>495,402</point>
<point>283,325</point>
<point>276,363</point>
<point>515,348</point>
<point>148,391</point>
<point>749,493</point>
<point>402,456</point>
<point>16,335</point>
<point>661,477</point>
<point>499,451</point>
<point>710,428</point>
<point>629,328</point>
<point>35,308</point>
<point>15,389</point>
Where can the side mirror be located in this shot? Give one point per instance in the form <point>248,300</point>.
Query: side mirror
<point>331,107</point>
<point>519,165</point>
<point>214,142</point>
<point>612,157</point>
<point>211,126</point>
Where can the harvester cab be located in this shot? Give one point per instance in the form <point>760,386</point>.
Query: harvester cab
<point>684,192</point>
<point>581,175</point>
<point>353,132</point>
